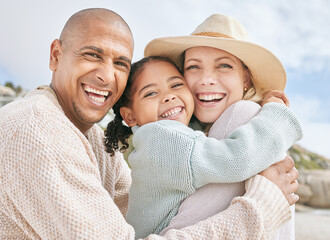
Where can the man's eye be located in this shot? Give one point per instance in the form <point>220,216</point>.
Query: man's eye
<point>93,55</point>
<point>122,64</point>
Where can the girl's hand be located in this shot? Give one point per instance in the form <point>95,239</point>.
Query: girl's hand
<point>285,176</point>
<point>275,96</point>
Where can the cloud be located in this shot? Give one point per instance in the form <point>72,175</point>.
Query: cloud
<point>314,118</point>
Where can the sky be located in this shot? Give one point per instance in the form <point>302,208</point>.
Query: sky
<point>296,32</point>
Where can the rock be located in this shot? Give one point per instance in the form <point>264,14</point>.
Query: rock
<point>314,187</point>
<point>305,193</point>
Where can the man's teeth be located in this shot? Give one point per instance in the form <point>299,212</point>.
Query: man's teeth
<point>173,112</point>
<point>210,97</point>
<point>93,90</point>
<point>97,99</point>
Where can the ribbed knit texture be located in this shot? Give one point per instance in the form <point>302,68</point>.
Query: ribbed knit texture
<point>57,184</point>
<point>171,160</point>
<point>216,197</point>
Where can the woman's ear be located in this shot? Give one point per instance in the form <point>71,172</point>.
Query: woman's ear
<point>55,52</point>
<point>128,116</point>
<point>247,80</point>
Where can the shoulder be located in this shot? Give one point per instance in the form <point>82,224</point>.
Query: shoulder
<point>164,132</point>
<point>37,117</point>
<point>33,107</point>
<point>168,127</point>
<point>234,116</point>
<point>244,107</point>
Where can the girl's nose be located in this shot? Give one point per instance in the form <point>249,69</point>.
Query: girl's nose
<point>169,97</point>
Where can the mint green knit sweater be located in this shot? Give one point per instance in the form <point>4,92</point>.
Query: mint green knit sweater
<point>171,161</point>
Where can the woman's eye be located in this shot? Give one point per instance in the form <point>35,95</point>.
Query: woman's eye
<point>224,65</point>
<point>192,67</point>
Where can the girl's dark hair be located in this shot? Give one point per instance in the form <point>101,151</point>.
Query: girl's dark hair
<point>117,133</point>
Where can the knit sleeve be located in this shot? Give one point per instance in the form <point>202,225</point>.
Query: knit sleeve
<point>256,215</point>
<point>114,171</point>
<point>250,148</point>
<point>122,186</point>
<point>60,193</point>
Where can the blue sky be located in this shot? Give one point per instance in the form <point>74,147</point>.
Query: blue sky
<point>296,32</point>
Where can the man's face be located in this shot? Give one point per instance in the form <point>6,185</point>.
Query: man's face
<point>91,71</point>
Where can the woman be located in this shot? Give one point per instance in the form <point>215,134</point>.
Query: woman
<point>206,57</point>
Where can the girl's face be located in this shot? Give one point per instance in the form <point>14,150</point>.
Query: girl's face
<point>160,93</point>
<point>216,79</point>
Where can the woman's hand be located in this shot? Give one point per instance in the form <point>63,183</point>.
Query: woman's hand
<point>284,175</point>
<point>275,96</point>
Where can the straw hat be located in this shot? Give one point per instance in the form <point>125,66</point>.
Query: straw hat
<point>225,33</point>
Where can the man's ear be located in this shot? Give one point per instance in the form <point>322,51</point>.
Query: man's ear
<point>128,116</point>
<point>55,53</point>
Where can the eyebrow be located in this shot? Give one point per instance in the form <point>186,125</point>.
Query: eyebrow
<point>146,86</point>
<point>154,84</point>
<point>96,49</point>
<point>101,51</point>
<point>174,77</point>
<point>217,59</point>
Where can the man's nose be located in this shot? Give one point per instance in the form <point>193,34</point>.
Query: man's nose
<point>106,73</point>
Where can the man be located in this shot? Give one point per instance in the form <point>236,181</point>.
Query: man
<point>57,181</point>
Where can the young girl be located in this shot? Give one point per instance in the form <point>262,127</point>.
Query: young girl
<point>213,58</point>
<point>170,160</point>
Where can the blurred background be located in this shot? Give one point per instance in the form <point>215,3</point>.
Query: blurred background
<point>296,32</point>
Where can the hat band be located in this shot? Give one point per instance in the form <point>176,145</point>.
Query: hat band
<point>212,34</point>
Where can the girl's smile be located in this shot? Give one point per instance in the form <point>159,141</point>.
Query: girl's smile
<point>161,93</point>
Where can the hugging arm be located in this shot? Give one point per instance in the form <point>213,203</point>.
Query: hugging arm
<point>250,148</point>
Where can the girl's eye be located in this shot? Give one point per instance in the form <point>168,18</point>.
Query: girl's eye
<point>149,94</point>
<point>177,85</point>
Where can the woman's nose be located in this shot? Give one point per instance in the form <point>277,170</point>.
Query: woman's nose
<point>208,78</point>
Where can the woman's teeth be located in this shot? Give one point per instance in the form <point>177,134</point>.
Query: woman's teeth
<point>210,97</point>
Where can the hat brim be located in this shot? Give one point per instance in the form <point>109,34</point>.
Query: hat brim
<point>267,71</point>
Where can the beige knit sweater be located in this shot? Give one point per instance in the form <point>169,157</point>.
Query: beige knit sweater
<point>56,183</point>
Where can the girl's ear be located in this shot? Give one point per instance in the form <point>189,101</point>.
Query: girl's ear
<point>128,116</point>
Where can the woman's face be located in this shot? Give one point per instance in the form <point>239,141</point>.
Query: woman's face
<point>216,79</point>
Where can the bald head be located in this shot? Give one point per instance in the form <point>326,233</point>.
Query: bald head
<point>87,19</point>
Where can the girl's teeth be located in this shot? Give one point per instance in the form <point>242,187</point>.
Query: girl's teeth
<point>172,112</point>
